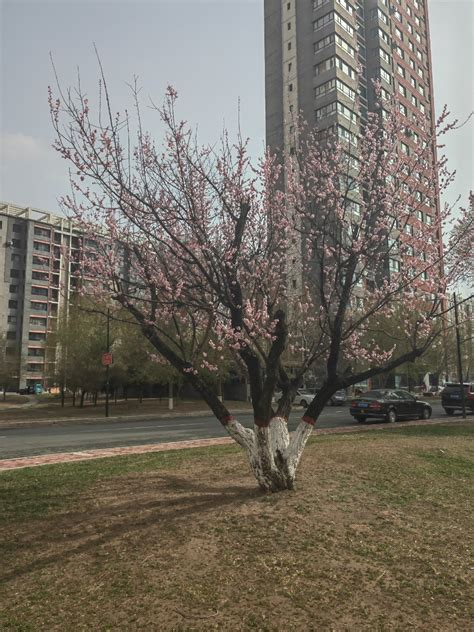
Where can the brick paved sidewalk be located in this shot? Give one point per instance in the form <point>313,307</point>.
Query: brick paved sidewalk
<point>86,455</point>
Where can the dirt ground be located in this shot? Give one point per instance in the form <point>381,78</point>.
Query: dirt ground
<point>377,536</point>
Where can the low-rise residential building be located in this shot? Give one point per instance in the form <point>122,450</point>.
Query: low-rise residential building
<point>39,252</point>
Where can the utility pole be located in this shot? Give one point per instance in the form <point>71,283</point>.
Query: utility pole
<point>458,347</point>
<point>107,367</point>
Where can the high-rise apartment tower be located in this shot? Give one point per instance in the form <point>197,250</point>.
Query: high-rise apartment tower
<point>322,54</point>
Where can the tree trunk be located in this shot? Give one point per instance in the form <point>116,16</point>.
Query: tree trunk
<point>83,394</point>
<point>4,394</point>
<point>74,397</point>
<point>62,396</point>
<point>274,455</point>
<point>140,398</point>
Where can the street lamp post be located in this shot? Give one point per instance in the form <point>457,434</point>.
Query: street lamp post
<point>107,367</point>
<point>458,348</point>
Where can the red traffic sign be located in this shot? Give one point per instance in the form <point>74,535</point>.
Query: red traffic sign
<point>107,359</point>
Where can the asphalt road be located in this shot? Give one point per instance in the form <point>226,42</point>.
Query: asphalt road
<point>76,436</point>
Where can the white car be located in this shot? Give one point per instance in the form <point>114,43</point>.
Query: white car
<point>303,397</point>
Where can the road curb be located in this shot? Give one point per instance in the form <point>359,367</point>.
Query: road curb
<point>87,455</point>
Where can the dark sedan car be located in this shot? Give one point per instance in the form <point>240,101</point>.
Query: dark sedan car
<point>389,404</point>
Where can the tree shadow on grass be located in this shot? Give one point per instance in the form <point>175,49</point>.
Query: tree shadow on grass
<point>177,500</point>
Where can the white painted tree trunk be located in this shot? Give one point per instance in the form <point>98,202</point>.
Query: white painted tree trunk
<point>273,453</point>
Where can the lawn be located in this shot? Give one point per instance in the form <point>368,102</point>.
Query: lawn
<point>50,409</point>
<point>377,536</point>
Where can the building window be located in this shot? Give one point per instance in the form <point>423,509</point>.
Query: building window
<point>325,88</point>
<point>404,147</point>
<point>383,35</point>
<point>12,304</point>
<point>13,289</point>
<point>39,291</point>
<point>11,320</point>
<point>350,50</point>
<point>411,46</point>
<point>34,352</point>
<point>394,265</point>
<point>402,90</point>
<point>40,247</point>
<point>346,6</point>
<point>348,113</point>
<point>16,243</point>
<point>410,28</point>
<point>385,75</point>
<point>400,52</point>
<point>290,87</point>
<point>346,135</point>
<point>16,228</point>
<point>403,109</point>
<point>38,322</point>
<point>350,72</point>
<point>382,17</point>
<point>320,22</point>
<point>42,232</point>
<point>36,335</point>
<point>289,46</point>
<point>343,24</point>
<point>345,89</point>
<point>385,56</point>
<point>327,41</point>
<point>327,110</point>
<point>34,368</point>
<point>39,276</point>
<point>401,70</point>
<point>319,3</point>
<point>11,335</point>
<point>38,307</point>
<point>399,34</point>
<point>40,261</point>
<point>289,26</point>
<point>15,258</point>
<point>14,274</point>
<point>325,65</point>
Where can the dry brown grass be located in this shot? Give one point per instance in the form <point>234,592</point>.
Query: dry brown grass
<point>376,537</point>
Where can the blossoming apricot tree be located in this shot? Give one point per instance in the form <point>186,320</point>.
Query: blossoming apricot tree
<point>211,255</point>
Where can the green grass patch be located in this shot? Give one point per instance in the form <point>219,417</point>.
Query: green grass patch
<point>376,536</point>
<point>38,491</point>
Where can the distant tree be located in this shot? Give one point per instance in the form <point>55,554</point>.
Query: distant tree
<point>81,341</point>
<point>216,250</point>
<point>9,365</point>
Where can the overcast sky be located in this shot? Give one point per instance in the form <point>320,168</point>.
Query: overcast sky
<point>210,51</point>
